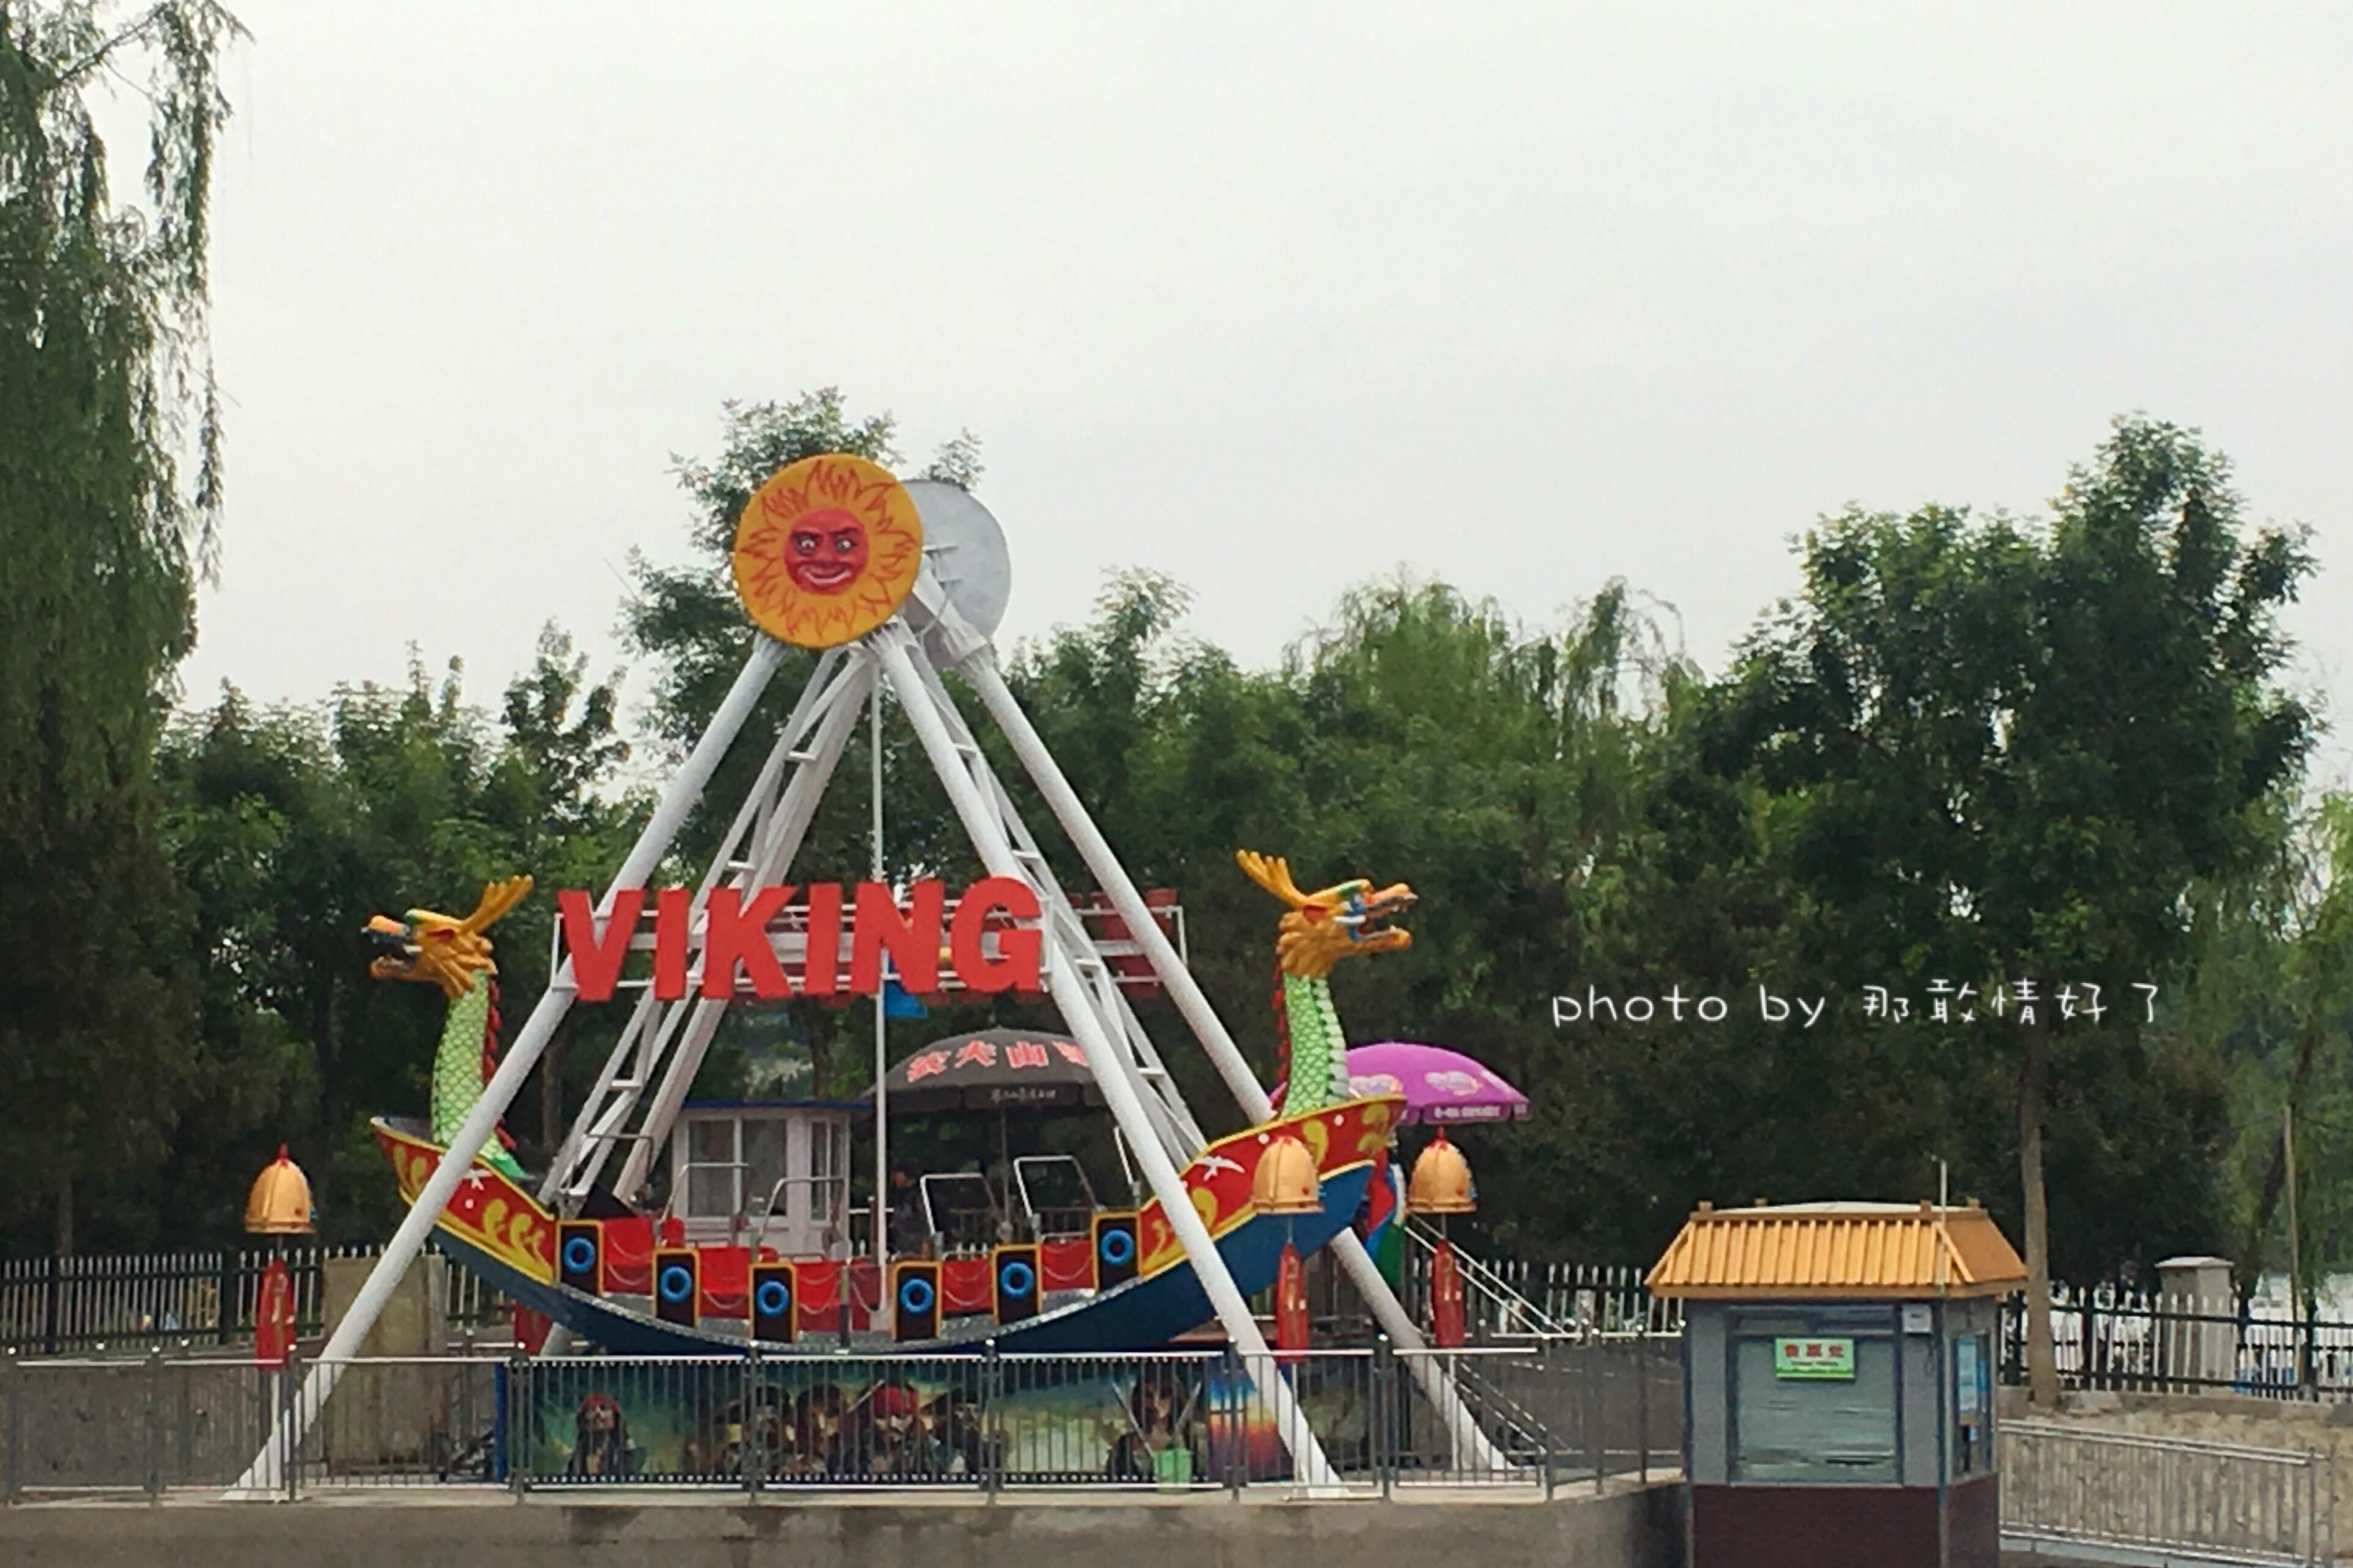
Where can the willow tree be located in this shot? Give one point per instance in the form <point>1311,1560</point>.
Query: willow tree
<point>109,477</point>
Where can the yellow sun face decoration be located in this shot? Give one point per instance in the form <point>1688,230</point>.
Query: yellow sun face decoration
<point>827,551</point>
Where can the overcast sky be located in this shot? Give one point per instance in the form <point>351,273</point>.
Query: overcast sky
<point>1272,298</point>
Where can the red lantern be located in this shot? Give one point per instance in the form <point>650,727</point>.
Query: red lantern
<point>1445,1296</point>
<point>1291,1303</point>
<point>273,1315</point>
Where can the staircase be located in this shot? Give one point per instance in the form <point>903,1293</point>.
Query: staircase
<point>1521,1300</point>
<point>1494,1308</point>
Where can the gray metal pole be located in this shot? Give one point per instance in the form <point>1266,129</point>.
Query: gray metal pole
<point>417,1227</point>
<point>880,1223</point>
<point>894,644</point>
<point>1471,1447</point>
<point>887,1304</point>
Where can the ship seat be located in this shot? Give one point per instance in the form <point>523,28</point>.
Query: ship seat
<point>965,1285</point>
<point>629,1256</point>
<point>726,1281</point>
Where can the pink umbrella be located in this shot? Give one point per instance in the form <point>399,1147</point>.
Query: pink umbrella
<point>1438,1085</point>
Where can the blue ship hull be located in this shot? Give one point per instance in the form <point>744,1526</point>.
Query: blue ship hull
<point>1143,1314</point>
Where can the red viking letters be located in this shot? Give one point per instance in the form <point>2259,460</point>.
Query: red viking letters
<point>1019,966</point>
<point>912,936</point>
<point>596,956</point>
<point>670,940</point>
<point>741,933</point>
<point>822,974</point>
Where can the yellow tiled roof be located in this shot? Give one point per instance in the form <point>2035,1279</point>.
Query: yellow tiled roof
<point>1880,1251</point>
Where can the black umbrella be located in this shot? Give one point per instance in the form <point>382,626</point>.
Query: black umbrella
<point>995,1069</point>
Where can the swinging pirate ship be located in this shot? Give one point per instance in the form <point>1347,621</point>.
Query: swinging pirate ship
<point>890,584</point>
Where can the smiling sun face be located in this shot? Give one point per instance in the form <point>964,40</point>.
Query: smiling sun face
<point>827,551</point>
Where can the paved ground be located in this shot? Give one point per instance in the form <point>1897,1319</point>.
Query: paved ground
<point>623,1497</point>
<point>1626,1526</point>
<point>2121,1559</point>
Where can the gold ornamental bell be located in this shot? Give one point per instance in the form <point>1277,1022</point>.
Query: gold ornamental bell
<point>1440,1183</point>
<point>279,1203</point>
<point>1285,1181</point>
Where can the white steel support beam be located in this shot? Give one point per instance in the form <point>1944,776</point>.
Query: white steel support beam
<point>1471,1447</point>
<point>633,1033</point>
<point>645,1036</point>
<point>1115,1070</point>
<point>266,1476</point>
<point>668,1036</point>
<point>769,863</point>
<point>1174,1118</point>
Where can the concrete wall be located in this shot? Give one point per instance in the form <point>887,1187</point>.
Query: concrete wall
<point>1919,1376</point>
<point>1707,1346</point>
<point>1630,1527</point>
<point>415,1320</point>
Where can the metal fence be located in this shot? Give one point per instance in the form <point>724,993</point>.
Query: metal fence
<point>2136,1343</point>
<point>2105,1338</point>
<point>1556,1415</point>
<point>55,1305</point>
<point>160,1423</point>
<point>2065,1483</point>
<point>52,1306</point>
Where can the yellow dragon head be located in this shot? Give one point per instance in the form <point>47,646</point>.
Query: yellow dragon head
<point>440,948</point>
<point>1321,929</point>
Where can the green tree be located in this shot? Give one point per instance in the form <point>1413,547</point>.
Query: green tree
<point>105,398</point>
<point>2011,756</point>
<point>1416,736</point>
<point>549,793</point>
<point>1181,757</point>
<point>291,826</point>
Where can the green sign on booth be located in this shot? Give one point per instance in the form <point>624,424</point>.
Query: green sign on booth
<point>1812,1357</point>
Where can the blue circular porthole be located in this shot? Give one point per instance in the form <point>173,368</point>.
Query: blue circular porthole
<point>677,1283</point>
<point>1016,1278</point>
<point>1117,1247</point>
<point>916,1295</point>
<point>771,1297</point>
<point>579,1254</point>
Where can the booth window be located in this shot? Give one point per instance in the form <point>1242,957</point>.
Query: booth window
<point>829,1165</point>
<point>1813,1428</point>
<point>763,1162</point>
<point>711,1168</point>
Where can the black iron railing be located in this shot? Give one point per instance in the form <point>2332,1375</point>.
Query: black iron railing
<point>51,1306</point>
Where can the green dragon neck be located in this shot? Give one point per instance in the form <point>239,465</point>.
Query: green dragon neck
<point>457,1078</point>
<point>1319,1052</point>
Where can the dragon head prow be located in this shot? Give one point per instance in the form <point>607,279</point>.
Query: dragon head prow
<point>1340,922</point>
<point>443,949</point>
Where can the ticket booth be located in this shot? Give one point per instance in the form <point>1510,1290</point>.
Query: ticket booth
<point>1839,1371</point>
